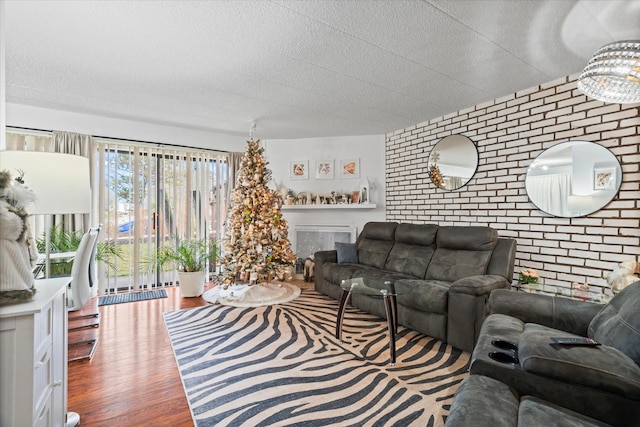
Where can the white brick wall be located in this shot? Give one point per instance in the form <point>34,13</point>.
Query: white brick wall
<point>509,133</point>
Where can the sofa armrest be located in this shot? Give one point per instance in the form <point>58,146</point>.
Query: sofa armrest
<point>321,284</point>
<point>467,308</point>
<point>325,256</point>
<point>601,367</point>
<point>555,312</point>
<point>479,285</point>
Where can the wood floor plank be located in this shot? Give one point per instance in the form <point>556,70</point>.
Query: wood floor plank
<point>133,378</point>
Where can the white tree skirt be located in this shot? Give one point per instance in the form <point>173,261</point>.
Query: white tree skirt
<point>252,295</point>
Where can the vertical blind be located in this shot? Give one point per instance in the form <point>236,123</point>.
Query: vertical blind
<point>150,196</point>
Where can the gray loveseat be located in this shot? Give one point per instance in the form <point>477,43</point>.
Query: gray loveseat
<point>453,270</point>
<point>601,382</point>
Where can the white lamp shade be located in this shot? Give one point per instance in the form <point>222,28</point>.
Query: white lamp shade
<point>61,182</point>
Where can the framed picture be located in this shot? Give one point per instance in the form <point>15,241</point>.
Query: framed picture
<point>324,169</point>
<point>355,197</point>
<point>604,179</point>
<point>350,168</point>
<point>299,169</point>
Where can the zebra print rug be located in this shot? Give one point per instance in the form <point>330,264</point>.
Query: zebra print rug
<point>282,365</point>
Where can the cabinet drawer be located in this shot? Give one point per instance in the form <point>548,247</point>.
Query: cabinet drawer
<point>43,328</point>
<point>42,379</point>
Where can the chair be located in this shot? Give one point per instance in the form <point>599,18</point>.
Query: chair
<point>80,291</point>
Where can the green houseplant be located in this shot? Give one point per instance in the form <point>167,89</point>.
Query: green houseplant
<point>190,258</point>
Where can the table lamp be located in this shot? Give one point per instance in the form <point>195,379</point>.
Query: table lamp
<point>61,183</point>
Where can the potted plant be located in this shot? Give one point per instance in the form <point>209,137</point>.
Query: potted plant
<point>190,258</point>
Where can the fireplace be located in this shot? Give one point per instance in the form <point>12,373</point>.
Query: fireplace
<point>308,239</point>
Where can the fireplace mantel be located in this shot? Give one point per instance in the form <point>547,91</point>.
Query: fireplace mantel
<point>320,207</point>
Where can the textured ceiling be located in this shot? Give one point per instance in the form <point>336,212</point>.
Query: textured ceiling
<point>297,68</point>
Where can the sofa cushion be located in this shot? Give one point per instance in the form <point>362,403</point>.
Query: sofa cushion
<point>618,323</point>
<point>534,412</point>
<point>601,367</point>
<point>427,295</point>
<point>413,249</point>
<point>461,252</point>
<point>373,273</point>
<point>336,273</point>
<point>483,401</point>
<point>375,242</point>
<point>346,253</point>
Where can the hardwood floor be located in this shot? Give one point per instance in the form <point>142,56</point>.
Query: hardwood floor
<point>133,378</point>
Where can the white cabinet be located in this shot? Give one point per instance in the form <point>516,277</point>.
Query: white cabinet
<point>33,355</point>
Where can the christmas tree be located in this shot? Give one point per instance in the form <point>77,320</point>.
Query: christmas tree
<point>257,237</point>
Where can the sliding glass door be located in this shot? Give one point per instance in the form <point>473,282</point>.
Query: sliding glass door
<point>152,196</point>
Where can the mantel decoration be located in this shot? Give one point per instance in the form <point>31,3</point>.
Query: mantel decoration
<point>17,248</point>
<point>613,73</point>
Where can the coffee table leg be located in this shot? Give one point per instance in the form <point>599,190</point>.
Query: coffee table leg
<point>391,325</point>
<point>343,306</point>
<point>394,312</point>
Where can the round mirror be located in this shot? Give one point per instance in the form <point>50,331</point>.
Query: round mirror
<point>573,179</point>
<point>452,162</point>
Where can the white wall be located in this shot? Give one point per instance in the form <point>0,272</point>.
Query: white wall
<point>369,149</point>
<point>3,86</point>
<point>47,119</point>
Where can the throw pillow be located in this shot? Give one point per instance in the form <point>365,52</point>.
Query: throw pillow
<point>346,252</point>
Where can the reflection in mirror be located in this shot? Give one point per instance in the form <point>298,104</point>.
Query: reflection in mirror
<point>573,179</point>
<point>452,162</point>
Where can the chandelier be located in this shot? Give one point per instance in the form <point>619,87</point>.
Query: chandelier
<point>613,74</point>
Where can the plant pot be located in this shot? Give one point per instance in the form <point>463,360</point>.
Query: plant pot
<point>192,283</point>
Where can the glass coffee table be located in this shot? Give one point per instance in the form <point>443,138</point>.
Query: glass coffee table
<point>383,288</point>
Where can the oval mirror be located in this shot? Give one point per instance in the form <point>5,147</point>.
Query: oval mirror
<point>452,162</point>
<point>573,179</point>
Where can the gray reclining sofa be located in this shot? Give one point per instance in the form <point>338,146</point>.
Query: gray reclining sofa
<point>452,268</point>
<point>601,381</point>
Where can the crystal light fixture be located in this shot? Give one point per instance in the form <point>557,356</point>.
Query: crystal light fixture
<point>613,74</point>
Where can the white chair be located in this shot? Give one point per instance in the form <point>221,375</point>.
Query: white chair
<point>80,291</point>
<point>82,278</point>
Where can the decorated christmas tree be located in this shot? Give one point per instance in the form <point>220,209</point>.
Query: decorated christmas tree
<point>257,237</point>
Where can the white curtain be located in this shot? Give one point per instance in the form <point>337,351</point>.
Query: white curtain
<point>453,182</point>
<point>550,192</point>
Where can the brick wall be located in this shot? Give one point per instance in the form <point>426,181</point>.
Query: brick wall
<point>509,133</point>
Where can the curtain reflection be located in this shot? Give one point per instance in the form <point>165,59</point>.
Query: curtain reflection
<point>550,192</point>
